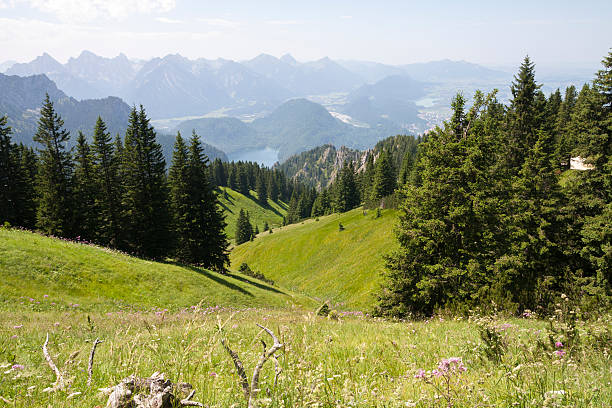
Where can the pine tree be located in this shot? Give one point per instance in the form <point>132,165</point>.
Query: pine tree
<point>180,201</point>
<point>345,192</point>
<point>262,190</point>
<point>266,226</point>
<point>26,187</point>
<point>244,230</point>
<point>208,241</point>
<point>445,222</point>
<point>564,140</point>
<point>106,161</point>
<point>535,262</point>
<point>85,192</point>
<point>9,174</point>
<point>145,200</point>
<point>523,116</point>
<point>54,189</point>
<point>384,178</point>
<point>272,187</point>
<point>293,212</point>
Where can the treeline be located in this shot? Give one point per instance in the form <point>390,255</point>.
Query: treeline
<point>115,193</point>
<point>493,217</point>
<point>245,177</point>
<point>373,183</point>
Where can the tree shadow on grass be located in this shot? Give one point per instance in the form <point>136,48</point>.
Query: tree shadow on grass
<point>255,283</point>
<point>212,276</point>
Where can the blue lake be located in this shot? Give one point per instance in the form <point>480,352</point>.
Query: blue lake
<point>266,156</point>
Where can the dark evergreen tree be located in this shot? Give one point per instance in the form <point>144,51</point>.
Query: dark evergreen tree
<point>180,201</point>
<point>28,167</point>
<point>145,199</point>
<point>523,116</point>
<point>244,230</point>
<point>444,243</point>
<point>53,187</point>
<point>345,192</point>
<point>107,182</point>
<point>384,182</point>
<point>564,140</point>
<point>85,192</point>
<point>262,190</point>
<point>9,176</point>
<point>208,241</point>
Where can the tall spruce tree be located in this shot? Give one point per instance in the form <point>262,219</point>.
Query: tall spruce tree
<point>384,183</point>
<point>181,201</point>
<point>106,164</point>
<point>345,192</point>
<point>199,223</point>
<point>9,175</point>
<point>26,186</point>
<point>262,189</point>
<point>53,186</point>
<point>244,229</point>
<point>523,116</point>
<point>145,198</point>
<point>85,192</point>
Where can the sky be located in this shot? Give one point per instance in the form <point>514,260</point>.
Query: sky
<point>494,33</point>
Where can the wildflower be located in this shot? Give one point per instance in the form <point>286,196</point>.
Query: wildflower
<point>559,344</point>
<point>560,353</point>
<point>420,374</point>
<point>17,367</point>
<point>45,296</point>
<point>213,374</point>
<point>18,326</point>
<point>56,324</point>
<point>14,336</point>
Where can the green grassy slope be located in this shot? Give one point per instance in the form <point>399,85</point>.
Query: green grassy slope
<point>317,259</point>
<point>273,214</point>
<point>32,266</point>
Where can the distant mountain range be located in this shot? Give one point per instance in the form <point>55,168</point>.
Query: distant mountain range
<point>174,86</point>
<point>21,99</point>
<point>293,127</point>
<point>265,102</point>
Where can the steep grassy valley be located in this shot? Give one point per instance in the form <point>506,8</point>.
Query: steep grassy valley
<point>232,201</point>
<point>316,258</point>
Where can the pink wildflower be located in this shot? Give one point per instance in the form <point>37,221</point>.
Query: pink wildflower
<point>420,374</point>
<point>18,326</point>
<point>559,344</point>
<point>560,353</point>
<point>17,367</point>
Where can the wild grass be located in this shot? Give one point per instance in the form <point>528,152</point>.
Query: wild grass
<point>315,258</point>
<point>355,361</point>
<point>39,273</point>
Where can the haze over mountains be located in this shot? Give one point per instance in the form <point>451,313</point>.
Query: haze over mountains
<point>266,102</point>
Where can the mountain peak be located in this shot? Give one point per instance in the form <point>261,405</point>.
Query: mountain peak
<point>288,58</point>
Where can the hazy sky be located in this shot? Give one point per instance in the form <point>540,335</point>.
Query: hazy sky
<point>396,32</point>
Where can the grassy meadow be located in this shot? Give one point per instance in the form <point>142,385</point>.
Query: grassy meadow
<point>354,361</point>
<point>315,258</point>
<point>234,201</point>
<point>39,273</point>
<point>163,317</point>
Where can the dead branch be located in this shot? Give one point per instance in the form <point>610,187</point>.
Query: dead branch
<point>60,383</point>
<point>91,358</point>
<point>152,392</point>
<point>264,357</point>
<point>250,392</point>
